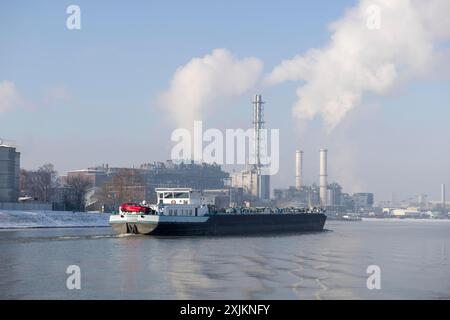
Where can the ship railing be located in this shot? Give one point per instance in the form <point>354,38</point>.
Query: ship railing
<point>266,210</point>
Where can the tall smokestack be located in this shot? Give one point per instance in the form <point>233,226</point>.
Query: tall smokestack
<point>443,195</point>
<point>323,183</point>
<point>298,169</point>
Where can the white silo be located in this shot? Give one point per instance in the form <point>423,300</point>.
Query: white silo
<point>298,169</point>
<point>323,181</point>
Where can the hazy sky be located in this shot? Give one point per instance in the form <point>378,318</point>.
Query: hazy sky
<point>114,91</point>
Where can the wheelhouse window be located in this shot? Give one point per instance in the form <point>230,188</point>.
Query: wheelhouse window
<point>181,195</point>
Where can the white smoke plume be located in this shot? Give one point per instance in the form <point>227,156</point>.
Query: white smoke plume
<point>202,82</point>
<point>377,46</point>
<point>9,96</point>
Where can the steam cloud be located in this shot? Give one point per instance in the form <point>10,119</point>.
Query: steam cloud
<point>202,82</point>
<point>9,96</point>
<point>360,59</point>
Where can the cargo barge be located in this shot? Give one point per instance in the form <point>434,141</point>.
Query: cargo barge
<point>178,212</point>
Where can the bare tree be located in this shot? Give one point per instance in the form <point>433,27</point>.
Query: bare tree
<point>78,187</point>
<point>47,181</point>
<point>39,184</point>
<point>24,183</point>
<point>125,186</point>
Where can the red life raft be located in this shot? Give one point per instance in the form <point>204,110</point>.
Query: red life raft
<point>134,207</point>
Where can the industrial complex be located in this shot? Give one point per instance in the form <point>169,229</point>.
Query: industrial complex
<point>105,186</point>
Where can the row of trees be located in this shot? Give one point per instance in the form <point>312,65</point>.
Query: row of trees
<point>43,185</point>
<point>127,185</point>
<point>40,184</point>
<point>74,193</point>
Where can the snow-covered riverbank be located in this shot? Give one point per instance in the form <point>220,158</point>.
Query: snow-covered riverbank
<point>11,219</point>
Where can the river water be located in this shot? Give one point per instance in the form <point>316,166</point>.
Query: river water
<point>413,257</point>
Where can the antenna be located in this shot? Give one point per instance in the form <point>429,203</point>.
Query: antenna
<point>258,124</point>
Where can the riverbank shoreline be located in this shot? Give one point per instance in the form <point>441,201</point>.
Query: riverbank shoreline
<point>12,219</point>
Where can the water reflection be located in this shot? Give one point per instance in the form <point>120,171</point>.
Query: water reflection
<point>413,257</point>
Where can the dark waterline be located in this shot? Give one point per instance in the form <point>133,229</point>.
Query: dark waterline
<point>413,257</point>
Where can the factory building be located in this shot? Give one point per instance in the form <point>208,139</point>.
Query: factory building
<point>363,200</point>
<point>422,201</point>
<point>190,175</point>
<point>325,194</point>
<point>224,198</point>
<point>162,175</point>
<point>96,176</point>
<point>439,205</point>
<point>302,195</point>
<point>247,180</point>
<point>293,197</point>
<point>334,194</point>
<point>347,202</point>
<point>410,212</point>
<point>253,184</point>
<point>9,173</point>
<point>150,176</point>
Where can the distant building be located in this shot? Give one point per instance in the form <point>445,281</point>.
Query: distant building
<point>294,197</point>
<point>219,198</point>
<point>253,184</point>
<point>9,173</point>
<point>236,197</point>
<point>224,198</point>
<point>411,212</point>
<point>151,176</point>
<point>184,175</point>
<point>334,193</point>
<point>97,176</point>
<point>347,202</point>
<point>363,200</point>
<point>422,201</point>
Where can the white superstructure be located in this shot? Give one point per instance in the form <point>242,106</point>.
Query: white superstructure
<point>180,202</point>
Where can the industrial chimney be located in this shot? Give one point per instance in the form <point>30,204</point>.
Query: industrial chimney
<point>323,183</point>
<point>298,169</point>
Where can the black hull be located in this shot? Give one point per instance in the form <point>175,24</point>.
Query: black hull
<point>245,224</point>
